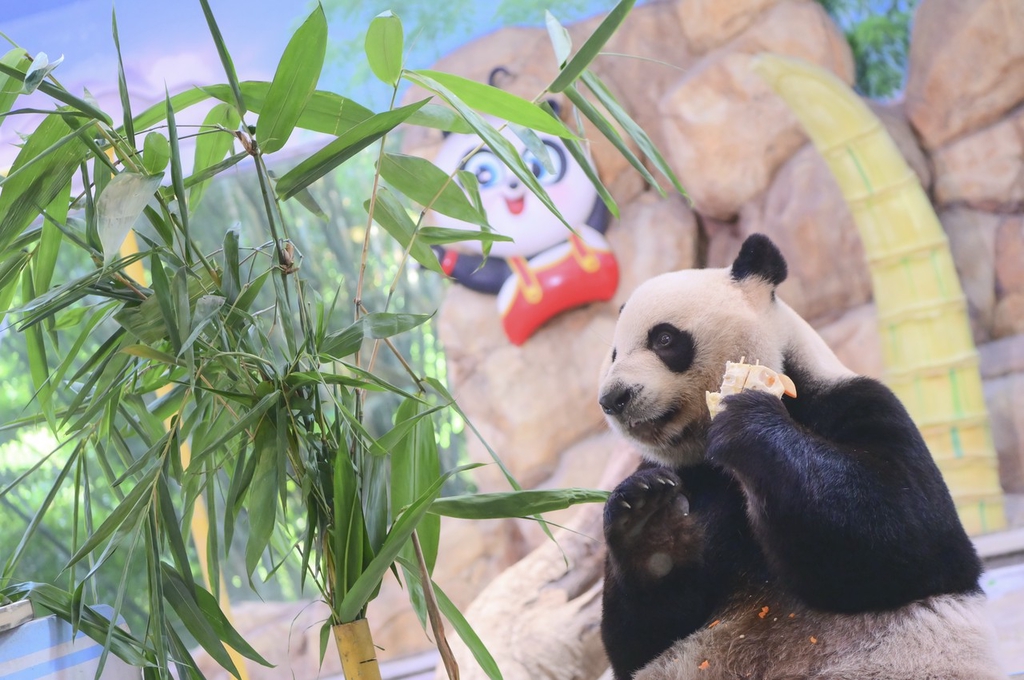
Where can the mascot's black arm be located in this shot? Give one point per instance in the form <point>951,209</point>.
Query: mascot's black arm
<point>845,499</point>
<point>667,568</point>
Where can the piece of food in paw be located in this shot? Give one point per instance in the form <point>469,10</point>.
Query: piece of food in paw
<point>740,376</point>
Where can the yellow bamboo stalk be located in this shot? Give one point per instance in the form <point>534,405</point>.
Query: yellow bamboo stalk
<point>358,655</point>
<point>930,359</point>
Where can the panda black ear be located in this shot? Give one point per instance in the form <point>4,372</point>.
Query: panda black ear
<point>760,257</point>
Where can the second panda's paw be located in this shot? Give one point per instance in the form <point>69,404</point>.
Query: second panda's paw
<point>647,523</point>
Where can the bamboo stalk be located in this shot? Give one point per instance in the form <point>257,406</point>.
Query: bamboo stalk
<point>928,350</point>
<point>358,655</point>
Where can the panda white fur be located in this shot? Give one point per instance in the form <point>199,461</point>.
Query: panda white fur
<point>803,538</point>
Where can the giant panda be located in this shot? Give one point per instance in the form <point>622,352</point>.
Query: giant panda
<point>796,538</point>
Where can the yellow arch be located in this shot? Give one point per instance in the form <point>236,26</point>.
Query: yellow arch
<point>930,359</point>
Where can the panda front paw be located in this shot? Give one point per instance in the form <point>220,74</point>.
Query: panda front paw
<point>647,524</point>
<point>745,425</point>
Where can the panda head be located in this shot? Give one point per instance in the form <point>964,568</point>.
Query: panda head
<point>672,339</point>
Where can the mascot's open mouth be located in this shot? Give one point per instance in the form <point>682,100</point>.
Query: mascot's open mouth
<point>516,205</point>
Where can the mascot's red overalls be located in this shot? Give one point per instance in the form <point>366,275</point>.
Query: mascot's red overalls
<point>546,269</point>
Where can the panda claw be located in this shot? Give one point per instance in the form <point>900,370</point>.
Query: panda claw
<point>644,486</point>
<point>626,505</point>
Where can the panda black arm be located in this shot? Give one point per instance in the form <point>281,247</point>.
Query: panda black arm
<point>843,496</point>
<point>674,541</point>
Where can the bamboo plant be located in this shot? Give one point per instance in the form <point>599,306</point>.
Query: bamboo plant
<point>219,380</point>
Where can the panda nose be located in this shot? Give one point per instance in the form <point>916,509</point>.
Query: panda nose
<point>614,401</point>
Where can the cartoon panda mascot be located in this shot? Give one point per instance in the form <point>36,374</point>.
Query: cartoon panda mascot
<point>808,537</point>
<point>546,269</point>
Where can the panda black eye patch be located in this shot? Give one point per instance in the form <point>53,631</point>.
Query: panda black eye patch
<point>674,347</point>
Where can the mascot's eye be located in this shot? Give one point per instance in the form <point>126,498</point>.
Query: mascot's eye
<point>486,166</point>
<point>557,157</point>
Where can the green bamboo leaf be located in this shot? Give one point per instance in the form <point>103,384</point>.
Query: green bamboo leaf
<point>294,82</point>
<point>591,47</point>
<point>380,325</point>
<point>358,596</point>
<point>57,93</point>
<point>231,278</point>
<point>211,147</point>
<point>122,83</point>
<point>17,59</point>
<point>147,352</point>
<point>225,57</point>
<point>262,497</point>
<point>560,40</point>
<point>251,417</point>
<point>222,626</point>
<point>532,141</point>
<point>25,195</point>
<point>383,45</point>
<point>465,631</point>
<point>38,365</point>
<point>390,215</point>
<point>509,504</point>
<point>127,513</point>
<point>497,102</point>
<point>415,465</point>
<point>635,132</point>
<point>500,146</point>
<point>427,184</point>
<point>611,134</point>
<point>580,156</point>
<point>45,256</point>
<point>120,206</point>
<point>10,275</point>
<point>156,152</point>
<point>181,599</point>
<point>177,180</point>
<point>439,236</point>
<point>348,144</point>
<point>440,118</point>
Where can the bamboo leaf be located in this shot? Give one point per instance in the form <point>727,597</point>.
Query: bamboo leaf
<point>182,601</point>
<point>465,631</point>
<point>128,512</point>
<point>225,57</point>
<point>122,83</point>
<point>591,47</point>
<point>212,147</point>
<point>396,221</point>
<point>440,118</point>
<point>580,156</point>
<point>156,152</point>
<point>262,497</point>
<point>439,236</point>
<point>176,175</point>
<point>510,504</point>
<point>294,82</point>
<point>383,46</point>
<point>635,132</point>
<point>243,423</point>
<point>25,195</point>
<point>500,146</point>
<point>611,134</point>
<point>427,184</point>
<point>40,68</point>
<point>560,40</point>
<point>57,93</point>
<point>415,465</point>
<point>341,149</point>
<point>17,59</point>
<point>358,596</point>
<point>380,325</point>
<point>45,256</point>
<point>120,206</point>
<point>497,102</point>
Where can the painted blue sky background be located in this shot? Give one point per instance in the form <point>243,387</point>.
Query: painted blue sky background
<point>167,44</point>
